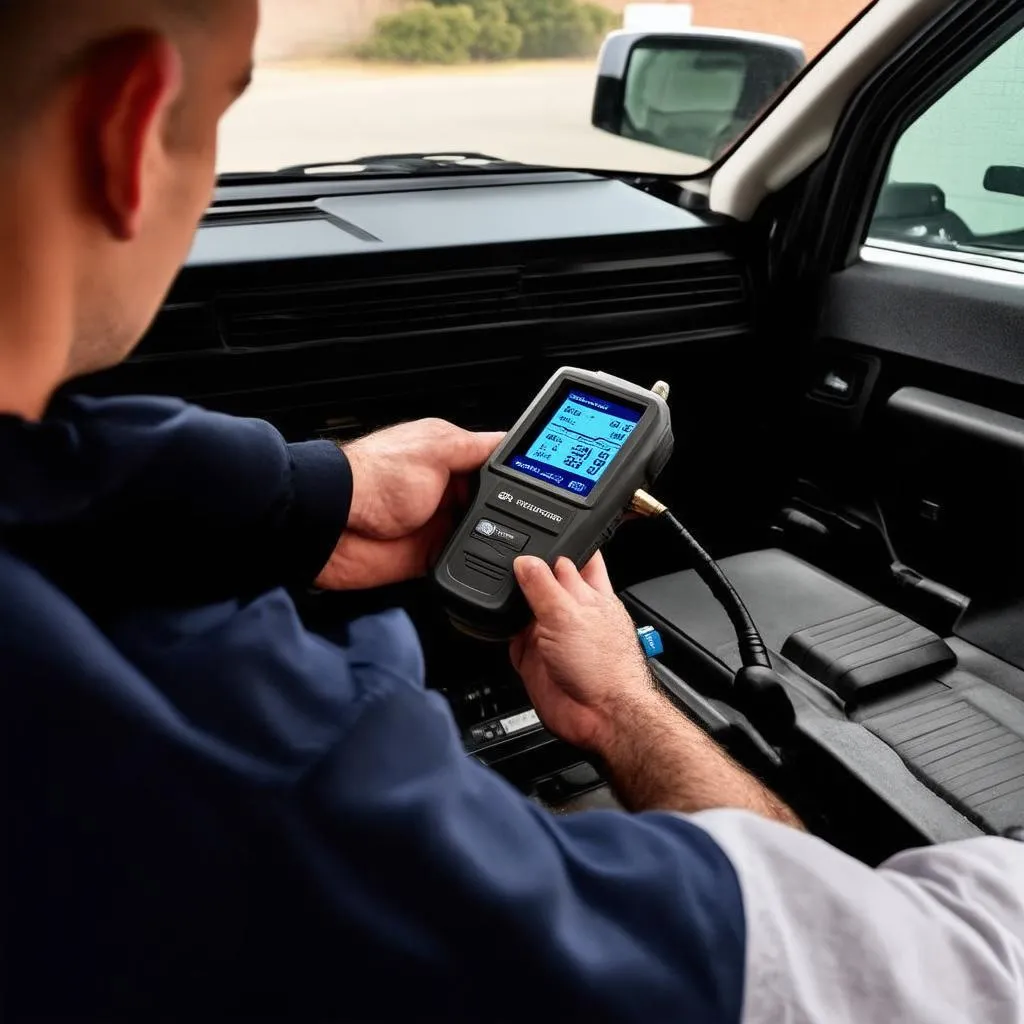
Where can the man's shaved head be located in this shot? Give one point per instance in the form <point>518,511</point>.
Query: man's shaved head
<point>109,112</point>
<point>42,41</point>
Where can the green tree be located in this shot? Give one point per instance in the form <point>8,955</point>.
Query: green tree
<point>559,28</point>
<point>454,31</point>
<point>424,34</point>
<point>498,38</point>
<point>602,20</point>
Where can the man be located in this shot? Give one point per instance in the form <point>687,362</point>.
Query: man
<point>211,813</point>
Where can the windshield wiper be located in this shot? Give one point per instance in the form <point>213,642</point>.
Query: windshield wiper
<point>387,165</point>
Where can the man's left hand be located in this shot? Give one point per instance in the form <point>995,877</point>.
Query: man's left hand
<point>410,485</point>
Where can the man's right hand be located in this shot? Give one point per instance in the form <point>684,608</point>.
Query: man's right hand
<point>580,660</point>
<point>590,683</point>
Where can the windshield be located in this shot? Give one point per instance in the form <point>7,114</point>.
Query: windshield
<point>514,79</point>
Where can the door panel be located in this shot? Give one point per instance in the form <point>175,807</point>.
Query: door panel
<point>914,408</point>
<point>908,464</point>
<point>924,465</point>
<point>955,315</point>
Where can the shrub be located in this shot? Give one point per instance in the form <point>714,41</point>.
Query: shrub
<point>424,34</point>
<point>559,28</point>
<point>602,20</point>
<point>497,38</point>
<point>454,31</point>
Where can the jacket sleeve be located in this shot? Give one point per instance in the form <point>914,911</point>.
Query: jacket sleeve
<point>195,505</point>
<point>433,869</point>
<point>389,876</point>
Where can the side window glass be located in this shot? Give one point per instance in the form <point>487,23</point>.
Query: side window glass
<point>956,178</point>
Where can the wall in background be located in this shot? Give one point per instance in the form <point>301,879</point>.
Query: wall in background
<point>814,22</point>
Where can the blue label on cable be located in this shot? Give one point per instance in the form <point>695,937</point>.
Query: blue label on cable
<point>650,641</point>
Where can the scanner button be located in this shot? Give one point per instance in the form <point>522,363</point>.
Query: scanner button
<point>502,534</point>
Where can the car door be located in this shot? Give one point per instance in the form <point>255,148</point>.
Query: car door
<point>907,442</point>
<point>905,458</point>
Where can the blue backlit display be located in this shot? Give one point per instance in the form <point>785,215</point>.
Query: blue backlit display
<point>579,443</point>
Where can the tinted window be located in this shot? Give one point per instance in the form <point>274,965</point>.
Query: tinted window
<point>956,178</point>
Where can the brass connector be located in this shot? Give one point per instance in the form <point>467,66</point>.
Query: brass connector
<point>643,504</point>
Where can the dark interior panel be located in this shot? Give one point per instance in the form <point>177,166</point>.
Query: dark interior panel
<point>953,491</point>
<point>954,318</point>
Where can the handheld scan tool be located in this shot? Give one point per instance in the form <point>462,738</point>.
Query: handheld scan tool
<point>559,485</point>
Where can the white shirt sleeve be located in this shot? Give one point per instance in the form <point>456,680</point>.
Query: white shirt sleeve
<point>933,936</point>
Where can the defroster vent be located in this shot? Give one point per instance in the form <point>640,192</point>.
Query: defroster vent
<point>359,310</point>
<point>710,286</point>
<point>559,305</point>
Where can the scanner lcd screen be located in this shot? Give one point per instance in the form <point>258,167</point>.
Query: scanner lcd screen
<point>577,444</point>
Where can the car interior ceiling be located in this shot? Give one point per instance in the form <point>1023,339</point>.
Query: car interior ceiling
<point>849,444</point>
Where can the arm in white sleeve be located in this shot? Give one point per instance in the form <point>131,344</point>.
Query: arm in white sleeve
<point>933,935</point>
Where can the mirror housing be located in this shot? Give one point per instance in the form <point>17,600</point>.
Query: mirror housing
<point>695,91</point>
<point>1007,180</point>
<point>901,200</point>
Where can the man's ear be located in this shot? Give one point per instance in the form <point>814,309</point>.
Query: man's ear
<point>128,89</point>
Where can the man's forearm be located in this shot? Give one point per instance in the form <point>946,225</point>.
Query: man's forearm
<point>659,760</point>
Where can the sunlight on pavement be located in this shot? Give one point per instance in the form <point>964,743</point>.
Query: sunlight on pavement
<point>532,113</point>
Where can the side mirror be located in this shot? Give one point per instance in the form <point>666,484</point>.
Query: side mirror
<point>695,91</point>
<point>1007,180</point>
<point>902,200</point>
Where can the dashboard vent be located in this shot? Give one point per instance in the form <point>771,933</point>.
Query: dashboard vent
<point>596,306</point>
<point>708,288</point>
<point>369,309</point>
<point>181,329</point>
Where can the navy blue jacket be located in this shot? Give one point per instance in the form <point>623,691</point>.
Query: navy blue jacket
<point>212,813</point>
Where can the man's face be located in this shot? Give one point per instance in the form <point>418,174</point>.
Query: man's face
<point>126,285</point>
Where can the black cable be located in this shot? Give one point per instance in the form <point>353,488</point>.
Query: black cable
<point>753,651</point>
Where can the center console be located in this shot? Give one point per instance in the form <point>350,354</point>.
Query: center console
<point>902,737</point>
<point>501,730</point>
<point>930,726</point>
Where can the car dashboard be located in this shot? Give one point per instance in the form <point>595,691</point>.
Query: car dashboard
<point>332,308</point>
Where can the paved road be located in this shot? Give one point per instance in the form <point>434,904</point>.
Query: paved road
<point>531,113</point>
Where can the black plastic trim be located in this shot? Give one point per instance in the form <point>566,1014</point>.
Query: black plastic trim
<point>951,320</point>
<point>940,412</point>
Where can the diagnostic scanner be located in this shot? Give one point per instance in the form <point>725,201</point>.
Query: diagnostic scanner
<point>559,485</point>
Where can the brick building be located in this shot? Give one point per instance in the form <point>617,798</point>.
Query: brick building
<point>814,22</point>
<point>302,28</point>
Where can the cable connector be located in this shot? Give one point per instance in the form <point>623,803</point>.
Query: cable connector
<point>644,504</point>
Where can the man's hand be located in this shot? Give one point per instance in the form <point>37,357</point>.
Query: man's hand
<point>409,487</point>
<point>580,660</point>
<point>584,670</point>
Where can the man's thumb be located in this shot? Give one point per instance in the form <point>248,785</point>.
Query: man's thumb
<point>542,591</point>
<point>469,451</point>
